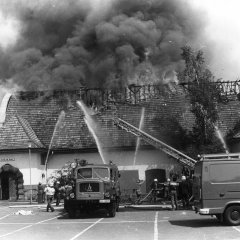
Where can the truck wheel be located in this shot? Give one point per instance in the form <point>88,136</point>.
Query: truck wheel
<point>71,213</point>
<point>232,215</point>
<point>117,205</point>
<point>112,209</point>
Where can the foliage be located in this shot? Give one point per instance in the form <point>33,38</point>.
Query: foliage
<point>204,96</point>
<point>177,137</point>
<point>63,175</point>
<point>232,132</point>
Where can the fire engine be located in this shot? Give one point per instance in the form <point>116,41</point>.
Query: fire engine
<point>93,186</point>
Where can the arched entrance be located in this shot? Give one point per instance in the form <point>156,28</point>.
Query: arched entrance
<point>11,183</point>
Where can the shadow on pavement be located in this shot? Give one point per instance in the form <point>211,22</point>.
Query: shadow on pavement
<point>85,215</point>
<point>102,213</point>
<point>197,223</point>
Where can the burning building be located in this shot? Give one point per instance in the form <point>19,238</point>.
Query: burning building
<point>50,129</point>
<point>79,45</point>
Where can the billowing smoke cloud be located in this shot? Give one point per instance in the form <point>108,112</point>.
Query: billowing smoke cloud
<point>68,44</point>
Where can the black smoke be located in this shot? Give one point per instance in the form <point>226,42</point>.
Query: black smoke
<point>72,44</point>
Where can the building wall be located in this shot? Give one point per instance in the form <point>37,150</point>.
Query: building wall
<point>21,161</point>
<point>145,160</point>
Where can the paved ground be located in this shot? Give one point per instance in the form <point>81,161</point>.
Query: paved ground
<point>130,223</point>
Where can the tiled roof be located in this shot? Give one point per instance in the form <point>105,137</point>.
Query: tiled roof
<point>36,143</point>
<point>38,119</point>
<point>229,114</point>
<point>16,134</point>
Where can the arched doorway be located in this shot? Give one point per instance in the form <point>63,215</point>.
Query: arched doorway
<point>11,183</point>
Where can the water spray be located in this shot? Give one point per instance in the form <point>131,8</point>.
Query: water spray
<point>139,139</point>
<point>91,127</point>
<point>219,135</point>
<point>60,120</point>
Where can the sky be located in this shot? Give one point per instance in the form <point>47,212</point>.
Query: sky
<point>223,29</point>
<point>9,31</point>
<point>221,34</point>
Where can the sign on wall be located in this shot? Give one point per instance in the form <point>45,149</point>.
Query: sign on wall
<point>7,159</point>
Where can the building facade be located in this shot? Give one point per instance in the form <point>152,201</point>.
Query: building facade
<point>41,132</point>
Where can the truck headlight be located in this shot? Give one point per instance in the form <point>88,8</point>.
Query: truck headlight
<point>107,194</point>
<point>204,211</point>
<point>71,195</point>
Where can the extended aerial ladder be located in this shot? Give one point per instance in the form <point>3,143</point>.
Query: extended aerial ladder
<point>179,156</point>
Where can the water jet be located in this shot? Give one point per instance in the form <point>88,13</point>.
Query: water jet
<point>92,127</point>
<point>60,120</point>
<point>139,139</point>
<point>219,135</point>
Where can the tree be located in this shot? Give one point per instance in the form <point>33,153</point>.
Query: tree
<point>204,96</point>
<point>177,137</point>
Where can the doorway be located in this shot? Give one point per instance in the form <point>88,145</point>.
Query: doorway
<point>128,181</point>
<point>5,185</point>
<point>151,174</point>
<point>11,182</point>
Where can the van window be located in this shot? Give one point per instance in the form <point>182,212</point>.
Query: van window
<point>227,172</point>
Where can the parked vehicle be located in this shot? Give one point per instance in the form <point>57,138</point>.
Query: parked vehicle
<point>216,187</point>
<point>93,187</point>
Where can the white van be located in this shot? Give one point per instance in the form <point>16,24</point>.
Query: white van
<point>216,187</point>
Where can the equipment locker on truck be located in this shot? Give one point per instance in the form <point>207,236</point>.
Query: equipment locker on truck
<point>216,187</point>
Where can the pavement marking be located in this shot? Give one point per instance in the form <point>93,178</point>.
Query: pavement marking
<point>108,222</point>
<point>79,234</point>
<point>5,216</point>
<point>20,229</point>
<point>156,227</point>
<point>236,229</point>
<point>86,222</point>
<point>15,223</point>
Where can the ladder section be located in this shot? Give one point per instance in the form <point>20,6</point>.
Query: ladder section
<point>182,158</point>
<point>221,156</point>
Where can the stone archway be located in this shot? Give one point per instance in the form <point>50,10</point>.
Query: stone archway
<point>11,183</point>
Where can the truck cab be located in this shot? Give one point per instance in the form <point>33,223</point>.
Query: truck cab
<point>94,187</point>
<point>216,187</point>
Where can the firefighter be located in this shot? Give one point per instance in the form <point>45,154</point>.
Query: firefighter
<point>173,187</point>
<point>167,189</point>
<point>57,192</point>
<point>154,189</point>
<point>184,191</point>
<point>49,190</point>
<point>40,193</point>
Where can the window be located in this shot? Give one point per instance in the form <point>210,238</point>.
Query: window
<point>43,158</point>
<point>228,172</point>
<point>101,173</point>
<point>84,173</point>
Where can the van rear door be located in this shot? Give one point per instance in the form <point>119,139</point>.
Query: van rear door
<point>221,183</point>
